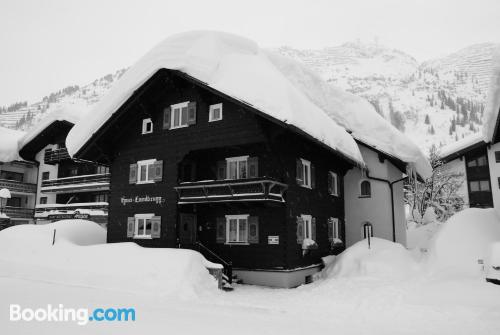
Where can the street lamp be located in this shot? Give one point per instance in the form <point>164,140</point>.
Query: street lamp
<point>4,195</point>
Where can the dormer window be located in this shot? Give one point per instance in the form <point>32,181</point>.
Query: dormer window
<point>215,113</point>
<point>147,126</point>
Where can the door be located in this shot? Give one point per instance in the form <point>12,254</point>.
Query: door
<point>187,231</point>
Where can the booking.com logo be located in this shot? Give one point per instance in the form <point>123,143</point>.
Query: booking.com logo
<point>79,315</point>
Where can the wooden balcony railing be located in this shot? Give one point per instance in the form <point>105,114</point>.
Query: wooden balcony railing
<point>77,183</point>
<point>16,186</point>
<point>256,189</point>
<point>53,156</point>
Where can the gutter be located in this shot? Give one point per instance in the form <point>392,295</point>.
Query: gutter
<point>391,188</point>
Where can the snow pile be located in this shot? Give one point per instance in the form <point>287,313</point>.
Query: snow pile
<point>463,240</point>
<point>493,100</point>
<point>9,149</point>
<point>384,259</point>
<point>81,257</point>
<point>232,65</point>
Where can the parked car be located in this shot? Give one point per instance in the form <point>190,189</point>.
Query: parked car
<point>493,268</point>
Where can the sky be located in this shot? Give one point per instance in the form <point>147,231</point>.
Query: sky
<point>46,45</point>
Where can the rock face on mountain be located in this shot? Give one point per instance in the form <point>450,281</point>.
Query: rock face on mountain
<point>435,102</point>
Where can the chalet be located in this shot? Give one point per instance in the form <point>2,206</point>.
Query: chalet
<point>477,157</point>
<point>65,188</point>
<point>19,177</point>
<point>213,146</point>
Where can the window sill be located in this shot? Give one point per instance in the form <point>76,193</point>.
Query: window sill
<point>179,127</point>
<point>142,238</point>
<point>145,182</point>
<point>364,196</point>
<point>334,195</point>
<point>237,243</point>
<point>215,120</point>
<point>305,186</point>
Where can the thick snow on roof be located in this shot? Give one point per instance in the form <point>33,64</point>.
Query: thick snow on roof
<point>71,114</point>
<point>9,149</point>
<point>353,113</point>
<point>462,144</point>
<point>232,65</point>
<point>493,99</point>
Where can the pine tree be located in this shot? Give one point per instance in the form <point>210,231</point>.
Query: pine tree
<point>427,119</point>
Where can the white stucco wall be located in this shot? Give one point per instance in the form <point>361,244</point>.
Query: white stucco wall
<point>52,169</point>
<point>494,175</point>
<point>376,209</point>
<point>458,166</point>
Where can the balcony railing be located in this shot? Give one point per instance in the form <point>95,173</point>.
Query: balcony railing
<point>92,182</point>
<point>53,156</point>
<point>16,186</point>
<point>65,211</point>
<point>18,212</point>
<point>256,189</point>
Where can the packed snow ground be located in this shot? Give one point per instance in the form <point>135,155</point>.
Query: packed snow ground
<point>382,290</point>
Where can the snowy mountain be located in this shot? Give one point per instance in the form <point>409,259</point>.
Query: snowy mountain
<point>435,102</point>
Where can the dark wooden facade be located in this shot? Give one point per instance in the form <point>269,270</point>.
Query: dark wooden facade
<point>191,154</point>
<point>478,178</point>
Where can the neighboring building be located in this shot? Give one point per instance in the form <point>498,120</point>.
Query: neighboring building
<point>19,177</point>
<point>234,160</point>
<point>66,188</point>
<point>477,157</point>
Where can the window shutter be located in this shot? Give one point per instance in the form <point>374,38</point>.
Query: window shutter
<point>158,170</point>
<point>166,117</point>
<point>130,226</point>
<point>335,184</point>
<point>253,229</point>
<point>132,179</point>
<point>330,183</point>
<point>313,176</point>
<point>300,172</point>
<point>221,230</point>
<point>253,167</point>
<point>151,171</point>
<point>156,226</point>
<point>300,230</point>
<point>191,113</point>
<point>330,229</point>
<point>221,170</point>
<point>313,229</point>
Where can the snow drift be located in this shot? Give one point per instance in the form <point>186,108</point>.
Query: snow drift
<point>463,240</point>
<point>9,149</point>
<point>81,257</point>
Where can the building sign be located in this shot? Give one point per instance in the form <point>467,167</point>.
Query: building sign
<point>273,240</point>
<point>142,200</point>
<point>66,216</point>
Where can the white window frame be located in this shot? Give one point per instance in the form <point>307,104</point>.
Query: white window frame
<point>336,178</point>
<point>145,163</point>
<point>363,230</point>
<point>138,217</point>
<point>179,107</point>
<point>307,225</point>
<point>211,110</point>
<point>237,160</point>
<point>335,228</point>
<point>306,173</point>
<point>237,218</point>
<point>145,123</point>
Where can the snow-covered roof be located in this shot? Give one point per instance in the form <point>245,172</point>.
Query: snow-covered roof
<point>462,144</point>
<point>9,149</point>
<point>353,113</point>
<point>232,65</point>
<point>71,114</point>
<point>491,113</point>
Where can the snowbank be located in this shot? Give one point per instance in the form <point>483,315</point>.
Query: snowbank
<point>492,108</point>
<point>232,65</point>
<point>81,257</point>
<point>463,240</point>
<point>9,149</point>
<point>384,259</point>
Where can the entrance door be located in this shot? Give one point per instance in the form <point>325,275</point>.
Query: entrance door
<point>187,231</point>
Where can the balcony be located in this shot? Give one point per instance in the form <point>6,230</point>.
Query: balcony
<point>70,211</point>
<point>54,156</point>
<point>17,187</point>
<point>86,183</point>
<point>18,212</point>
<point>256,189</point>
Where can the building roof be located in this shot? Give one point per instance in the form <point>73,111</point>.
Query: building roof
<point>9,144</point>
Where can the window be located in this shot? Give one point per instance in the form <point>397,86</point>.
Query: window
<point>237,228</point>
<point>479,186</point>
<point>237,167</point>
<point>333,229</point>
<point>101,169</point>
<point>73,172</point>
<point>43,200</point>
<point>101,198</point>
<point>305,173</point>
<point>482,161</point>
<point>365,189</point>
<point>215,113</point>
<point>145,173</point>
<point>307,226</point>
<point>143,225</point>
<point>147,126</point>
<point>9,175</point>
<point>367,230</point>
<point>179,115</point>
<point>333,187</point>
<point>45,175</point>
<point>479,161</point>
<point>14,202</point>
<point>497,156</point>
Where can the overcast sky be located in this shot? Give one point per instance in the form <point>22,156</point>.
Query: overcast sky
<point>46,45</point>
